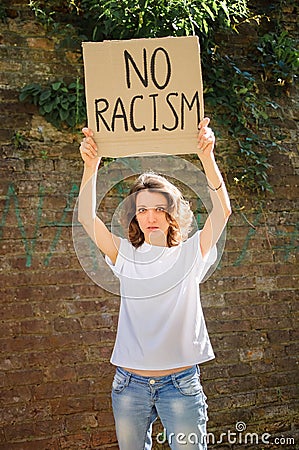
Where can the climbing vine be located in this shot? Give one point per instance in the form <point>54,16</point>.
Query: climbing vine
<point>62,104</point>
<point>237,104</point>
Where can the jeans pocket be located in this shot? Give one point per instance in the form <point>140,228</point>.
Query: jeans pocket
<point>189,385</point>
<point>120,382</point>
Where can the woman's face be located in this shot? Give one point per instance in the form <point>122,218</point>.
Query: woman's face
<point>151,208</point>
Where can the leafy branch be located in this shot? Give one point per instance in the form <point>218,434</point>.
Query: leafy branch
<point>238,100</point>
<point>61,104</point>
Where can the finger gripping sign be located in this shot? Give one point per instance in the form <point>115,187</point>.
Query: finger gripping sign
<point>144,95</point>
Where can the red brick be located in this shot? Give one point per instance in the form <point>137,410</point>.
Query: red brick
<point>239,340</point>
<point>38,429</point>
<point>253,354</point>
<point>292,348</point>
<point>236,370</point>
<point>103,438</point>
<point>280,336</point>
<point>105,320</point>
<point>77,422</point>
<point>71,356</point>
<point>48,309</point>
<point>214,371</point>
<point>36,326</point>
<point>102,402</point>
<point>64,324</point>
<point>270,324</point>
<point>60,373</point>
<point>24,377</point>
<point>294,335</point>
<point>221,420</point>
<point>16,394</point>
<point>16,311</point>
<point>2,379</point>
<point>278,379</point>
<point>225,313</point>
<point>14,413</point>
<point>95,370</point>
<point>47,390</point>
<point>291,363</point>
<point>10,328</point>
<point>43,43</point>
<point>71,405</point>
<point>88,370</point>
<point>94,337</point>
<point>250,297</point>
<point>267,396</point>
<point>76,388</point>
<point>224,355</point>
<point>231,284</point>
<point>64,340</point>
<point>43,444</point>
<point>236,385</point>
<point>53,358</point>
<point>80,440</point>
<point>22,343</point>
<point>100,353</point>
<point>38,278</point>
<point>223,326</point>
<point>287,282</point>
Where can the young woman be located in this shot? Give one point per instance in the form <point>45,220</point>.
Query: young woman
<point>161,336</point>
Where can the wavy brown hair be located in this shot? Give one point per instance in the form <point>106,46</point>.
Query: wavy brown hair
<point>178,215</point>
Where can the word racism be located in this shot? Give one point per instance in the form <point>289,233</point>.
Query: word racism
<point>126,113</point>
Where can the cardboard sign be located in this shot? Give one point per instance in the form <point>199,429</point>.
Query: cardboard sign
<point>144,95</point>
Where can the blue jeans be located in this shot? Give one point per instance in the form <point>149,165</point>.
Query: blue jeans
<point>178,400</point>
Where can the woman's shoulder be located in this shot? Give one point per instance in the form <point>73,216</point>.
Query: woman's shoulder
<point>192,239</point>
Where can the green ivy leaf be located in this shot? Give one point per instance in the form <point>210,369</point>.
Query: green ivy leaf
<point>44,96</point>
<point>63,114</point>
<point>56,86</point>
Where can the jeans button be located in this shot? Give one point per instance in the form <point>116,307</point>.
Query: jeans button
<point>152,381</point>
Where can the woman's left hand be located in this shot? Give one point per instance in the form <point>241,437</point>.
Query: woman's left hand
<point>206,139</point>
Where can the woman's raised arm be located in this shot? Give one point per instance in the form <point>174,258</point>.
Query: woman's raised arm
<point>107,242</point>
<point>221,208</point>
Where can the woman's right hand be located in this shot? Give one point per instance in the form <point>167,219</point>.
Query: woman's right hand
<point>88,149</point>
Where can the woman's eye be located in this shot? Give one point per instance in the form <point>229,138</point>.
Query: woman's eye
<point>141,210</point>
<point>160,209</point>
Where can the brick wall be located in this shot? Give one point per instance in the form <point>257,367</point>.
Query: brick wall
<point>58,327</point>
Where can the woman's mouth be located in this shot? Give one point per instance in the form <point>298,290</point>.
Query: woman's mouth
<point>153,228</point>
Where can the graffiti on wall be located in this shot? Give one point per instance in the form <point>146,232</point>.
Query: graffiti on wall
<point>287,240</point>
<point>12,205</point>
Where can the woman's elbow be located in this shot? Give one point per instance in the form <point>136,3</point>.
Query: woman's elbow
<point>224,213</point>
<point>81,218</point>
<point>84,215</point>
<point>228,211</point>
<point>84,220</point>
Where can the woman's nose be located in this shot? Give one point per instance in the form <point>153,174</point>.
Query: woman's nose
<point>151,214</point>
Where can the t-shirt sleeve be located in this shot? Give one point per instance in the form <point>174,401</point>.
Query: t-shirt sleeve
<point>203,264</point>
<point>124,252</point>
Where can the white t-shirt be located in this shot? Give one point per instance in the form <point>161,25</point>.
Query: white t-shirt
<point>161,323</point>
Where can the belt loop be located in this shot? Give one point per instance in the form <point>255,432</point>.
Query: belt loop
<point>128,377</point>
